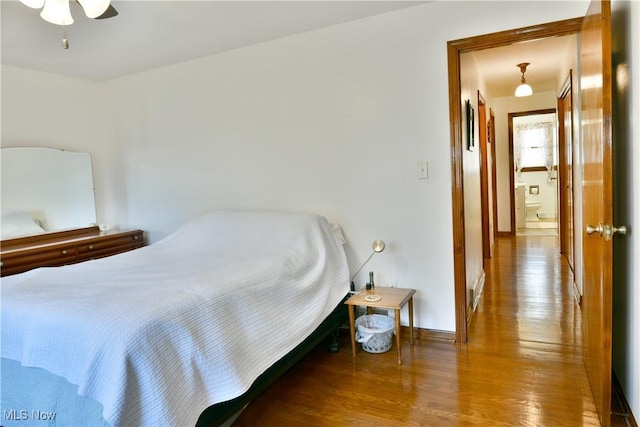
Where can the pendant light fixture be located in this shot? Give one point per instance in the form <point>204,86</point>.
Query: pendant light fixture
<point>524,89</point>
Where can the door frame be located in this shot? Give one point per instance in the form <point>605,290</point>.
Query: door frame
<point>484,178</point>
<point>494,175</point>
<point>454,49</point>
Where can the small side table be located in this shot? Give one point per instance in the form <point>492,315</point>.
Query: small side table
<point>391,298</point>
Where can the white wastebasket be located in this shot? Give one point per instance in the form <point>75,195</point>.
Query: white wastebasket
<point>375,331</point>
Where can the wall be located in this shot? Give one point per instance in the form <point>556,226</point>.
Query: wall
<point>332,121</point>
<point>46,110</point>
<point>471,82</point>
<point>546,195</point>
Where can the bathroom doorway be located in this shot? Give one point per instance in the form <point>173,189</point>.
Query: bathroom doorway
<point>533,152</point>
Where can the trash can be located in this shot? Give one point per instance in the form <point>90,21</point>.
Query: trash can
<point>375,331</point>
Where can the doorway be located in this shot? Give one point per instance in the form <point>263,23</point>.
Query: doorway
<point>454,50</point>
<point>533,157</point>
<point>596,192</point>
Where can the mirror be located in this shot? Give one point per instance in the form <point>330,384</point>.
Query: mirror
<point>51,186</point>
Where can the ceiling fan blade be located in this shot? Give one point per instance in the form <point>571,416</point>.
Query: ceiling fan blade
<point>109,13</point>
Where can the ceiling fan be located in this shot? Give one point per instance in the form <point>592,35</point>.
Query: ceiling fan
<point>58,11</point>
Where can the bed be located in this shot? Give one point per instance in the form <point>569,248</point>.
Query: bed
<point>182,332</point>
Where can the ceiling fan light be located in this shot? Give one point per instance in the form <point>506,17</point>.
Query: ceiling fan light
<point>94,8</point>
<point>524,90</point>
<point>57,12</point>
<point>34,4</point>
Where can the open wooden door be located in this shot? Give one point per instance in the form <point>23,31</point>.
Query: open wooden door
<point>597,202</point>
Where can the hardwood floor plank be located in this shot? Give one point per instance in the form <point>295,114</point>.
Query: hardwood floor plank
<point>522,365</point>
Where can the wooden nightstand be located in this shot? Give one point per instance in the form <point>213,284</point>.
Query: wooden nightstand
<point>391,298</point>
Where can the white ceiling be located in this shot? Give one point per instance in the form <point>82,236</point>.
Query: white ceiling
<point>546,56</point>
<point>149,34</point>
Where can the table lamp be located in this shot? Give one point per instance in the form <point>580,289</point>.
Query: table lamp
<point>377,246</point>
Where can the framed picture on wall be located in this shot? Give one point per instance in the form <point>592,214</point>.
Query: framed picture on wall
<point>471,143</point>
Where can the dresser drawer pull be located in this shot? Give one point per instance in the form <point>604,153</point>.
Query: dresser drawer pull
<point>135,237</point>
<point>63,252</point>
<point>90,247</point>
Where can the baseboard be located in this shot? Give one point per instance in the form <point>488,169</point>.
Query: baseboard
<point>505,233</point>
<point>477,290</point>
<point>576,295</point>
<point>619,406</point>
<point>429,334</point>
<point>474,296</point>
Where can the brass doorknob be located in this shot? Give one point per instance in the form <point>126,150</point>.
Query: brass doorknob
<point>610,230</point>
<point>590,229</point>
<point>607,230</point>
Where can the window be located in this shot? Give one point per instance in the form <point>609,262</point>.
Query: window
<point>535,145</point>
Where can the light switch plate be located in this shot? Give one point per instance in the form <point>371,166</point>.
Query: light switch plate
<point>423,170</point>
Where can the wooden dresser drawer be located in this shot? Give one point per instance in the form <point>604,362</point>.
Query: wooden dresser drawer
<point>64,248</point>
<point>110,245</point>
<point>17,262</point>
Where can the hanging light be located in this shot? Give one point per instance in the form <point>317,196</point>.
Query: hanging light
<point>58,12</point>
<point>524,89</point>
<point>94,8</point>
<point>33,4</point>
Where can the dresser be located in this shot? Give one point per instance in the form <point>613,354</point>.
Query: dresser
<point>65,247</point>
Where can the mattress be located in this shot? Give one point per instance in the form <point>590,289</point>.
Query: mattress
<point>158,334</point>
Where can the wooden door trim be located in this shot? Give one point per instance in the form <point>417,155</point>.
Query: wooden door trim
<point>564,220</point>
<point>484,177</point>
<point>454,49</point>
<point>494,174</point>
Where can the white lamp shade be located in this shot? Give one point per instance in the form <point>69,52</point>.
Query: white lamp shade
<point>57,12</point>
<point>524,90</point>
<point>94,8</point>
<point>34,4</point>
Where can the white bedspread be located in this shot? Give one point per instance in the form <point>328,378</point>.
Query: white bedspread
<point>160,333</point>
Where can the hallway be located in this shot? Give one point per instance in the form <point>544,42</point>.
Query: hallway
<point>528,319</point>
<point>522,365</point>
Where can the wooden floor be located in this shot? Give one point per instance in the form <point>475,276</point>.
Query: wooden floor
<point>522,365</point>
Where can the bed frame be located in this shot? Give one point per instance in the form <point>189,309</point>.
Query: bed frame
<point>218,414</point>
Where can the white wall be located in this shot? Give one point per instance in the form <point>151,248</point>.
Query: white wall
<point>547,193</point>
<point>46,110</point>
<point>471,81</point>
<point>332,121</point>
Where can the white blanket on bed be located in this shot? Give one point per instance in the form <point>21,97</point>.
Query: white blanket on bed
<point>160,333</point>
